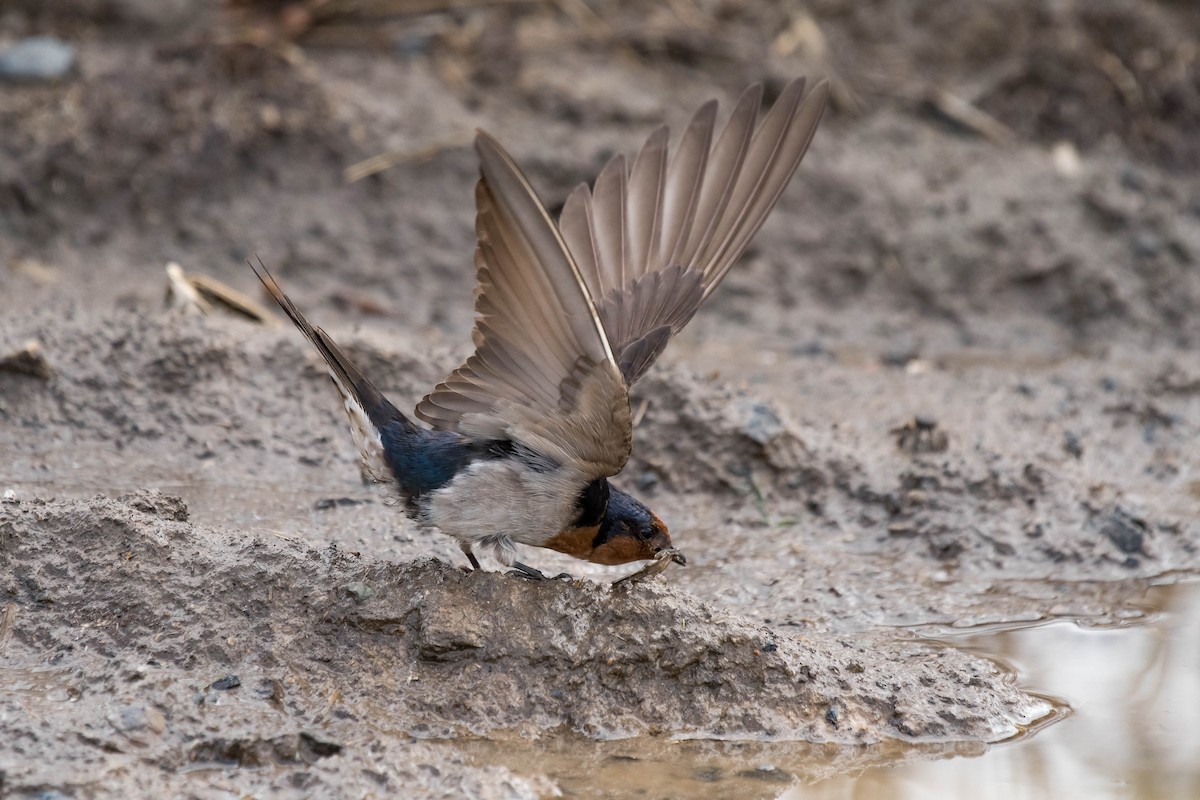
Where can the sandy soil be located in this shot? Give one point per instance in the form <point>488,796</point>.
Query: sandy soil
<point>199,596</point>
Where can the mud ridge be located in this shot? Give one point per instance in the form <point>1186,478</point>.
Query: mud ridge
<point>127,597</point>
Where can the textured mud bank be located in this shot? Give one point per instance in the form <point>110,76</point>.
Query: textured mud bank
<point>154,639</point>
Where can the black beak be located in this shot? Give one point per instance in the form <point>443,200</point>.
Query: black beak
<point>674,555</point>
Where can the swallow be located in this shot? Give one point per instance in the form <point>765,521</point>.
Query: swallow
<point>523,437</point>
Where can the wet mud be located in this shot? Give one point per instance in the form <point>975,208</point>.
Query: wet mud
<point>953,384</point>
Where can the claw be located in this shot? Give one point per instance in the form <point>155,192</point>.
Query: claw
<point>534,574</point>
<point>466,548</point>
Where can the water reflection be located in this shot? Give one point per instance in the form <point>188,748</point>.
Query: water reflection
<point>650,769</point>
<point>1134,731</point>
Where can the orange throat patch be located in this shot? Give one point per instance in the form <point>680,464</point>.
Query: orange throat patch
<point>575,542</point>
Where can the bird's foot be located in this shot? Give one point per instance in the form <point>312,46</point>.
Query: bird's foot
<point>534,574</point>
<point>466,548</point>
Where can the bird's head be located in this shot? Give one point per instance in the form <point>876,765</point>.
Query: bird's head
<point>631,532</point>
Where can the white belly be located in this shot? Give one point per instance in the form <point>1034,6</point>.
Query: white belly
<point>496,502</point>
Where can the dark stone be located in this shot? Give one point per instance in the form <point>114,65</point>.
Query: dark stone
<point>226,683</point>
<point>327,503</point>
<point>1126,532</point>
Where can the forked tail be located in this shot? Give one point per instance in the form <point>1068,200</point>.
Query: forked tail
<point>346,376</point>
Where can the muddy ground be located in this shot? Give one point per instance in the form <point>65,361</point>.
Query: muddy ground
<point>200,597</point>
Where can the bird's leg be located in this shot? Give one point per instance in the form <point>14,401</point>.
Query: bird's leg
<point>534,574</point>
<point>466,548</point>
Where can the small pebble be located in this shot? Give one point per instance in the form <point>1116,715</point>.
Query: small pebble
<point>38,58</point>
<point>226,683</point>
<point>1126,532</point>
<point>334,502</point>
<point>646,480</point>
<point>359,591</point>
<point>28,360</point>
<point>763,424</point>
<point>132,719</point>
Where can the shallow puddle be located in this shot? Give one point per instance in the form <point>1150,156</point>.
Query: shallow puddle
<point>1133,730</point>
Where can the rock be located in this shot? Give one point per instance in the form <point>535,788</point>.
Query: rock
<point>38,58</point>
<point>27,360</point>
<point>1126,532</point>
<point>139,724</point>
<point>226,683</point>
<point>647,480</point>
<point>359,591</point>
<point>761,424</point>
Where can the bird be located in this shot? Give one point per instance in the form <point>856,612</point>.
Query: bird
<point>519,442</point>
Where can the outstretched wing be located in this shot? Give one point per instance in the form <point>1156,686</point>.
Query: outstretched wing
<point>653,243</point>
<point>542,374</point>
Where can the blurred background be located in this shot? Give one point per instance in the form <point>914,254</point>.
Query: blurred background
<point>982,161</point>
